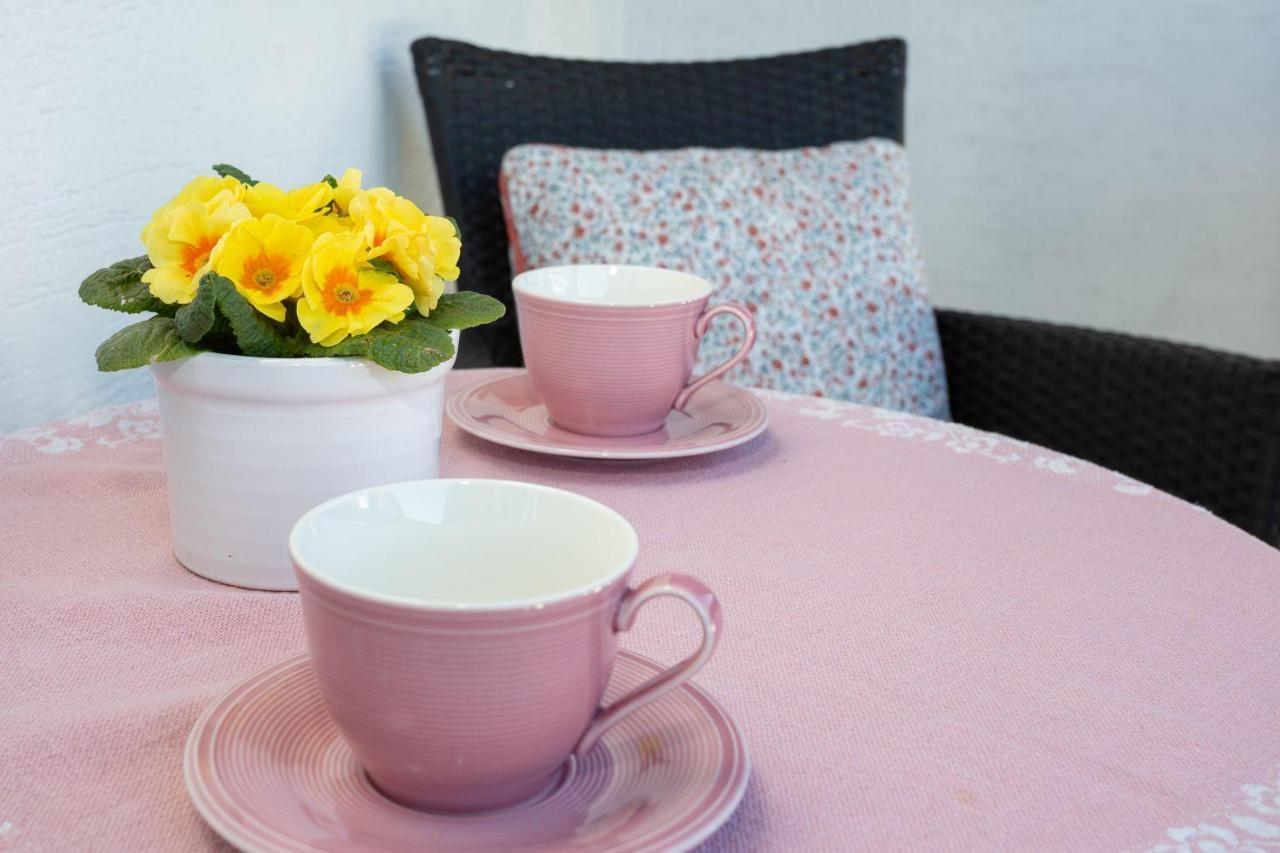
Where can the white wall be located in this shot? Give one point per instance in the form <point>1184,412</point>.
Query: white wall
<point>1113,164</point>
<point>108,108</point>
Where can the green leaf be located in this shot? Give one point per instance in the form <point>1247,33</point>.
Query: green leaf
<point>146,342</point>
<point>196,318</point>
<point>256,333</point>
<point>384,265</point>
<point>228,171</point>
<point>465,309</point>
<point>120,288</point>
<point>217,306</point>
<point>410,346</point>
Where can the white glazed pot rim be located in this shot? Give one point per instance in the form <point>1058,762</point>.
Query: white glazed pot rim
<point>293,362</point>
<point>605,580</point>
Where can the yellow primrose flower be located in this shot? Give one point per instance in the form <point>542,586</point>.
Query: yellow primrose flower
<point>423,249</point>
<point>342,295</point>
<point>207,190</point>
<point>204,189</point>
<point>179,243</point>
<point>446,246</point>
<point>348,186</point>
<point>427,293</point>
<point>263,258</point>
<point>330,225</point>
<point>434,251</point>
<point>295,205</point>
<point>437,264</point>
<point>411,254</point>
<point>387,221</point>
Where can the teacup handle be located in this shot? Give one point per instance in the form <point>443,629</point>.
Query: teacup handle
<point>704,603</point>
<point>700,329</point>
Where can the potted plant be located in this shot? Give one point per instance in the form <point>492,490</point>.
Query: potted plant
<point>299,341</point>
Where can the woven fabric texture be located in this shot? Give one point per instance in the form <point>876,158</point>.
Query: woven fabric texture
<point>934,637</point>
<point>817,243</point>
<point>1222,451</point>
<point>481,102</point>
<point>1199,424</point>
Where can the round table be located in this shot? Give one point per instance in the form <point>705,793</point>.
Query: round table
<point>934,637</point>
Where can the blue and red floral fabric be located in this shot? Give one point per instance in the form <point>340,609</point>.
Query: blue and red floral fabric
<point>817,242</point>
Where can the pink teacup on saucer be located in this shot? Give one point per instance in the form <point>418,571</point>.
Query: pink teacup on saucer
<point>462,633</point>
<point>610,349</point>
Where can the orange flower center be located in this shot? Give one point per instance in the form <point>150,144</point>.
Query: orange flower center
<point>342,293</point>
<point>197,255</point>
<point>265,273</point>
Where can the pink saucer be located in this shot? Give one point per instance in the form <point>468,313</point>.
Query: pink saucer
<point>268,770</point>
<point>507,410</point>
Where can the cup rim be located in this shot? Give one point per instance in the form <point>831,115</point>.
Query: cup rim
<point>520,286</point>
<point>614,575</point>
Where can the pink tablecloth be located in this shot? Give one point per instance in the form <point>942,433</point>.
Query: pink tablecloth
<point>934,638</point>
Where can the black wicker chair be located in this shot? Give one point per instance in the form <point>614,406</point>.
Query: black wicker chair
<point>1200,424</point>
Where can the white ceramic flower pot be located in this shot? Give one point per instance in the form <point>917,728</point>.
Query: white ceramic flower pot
<point>250,444</point>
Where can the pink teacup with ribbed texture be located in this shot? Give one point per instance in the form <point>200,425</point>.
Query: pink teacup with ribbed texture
<point>610,349</point>
<point>462,632</point>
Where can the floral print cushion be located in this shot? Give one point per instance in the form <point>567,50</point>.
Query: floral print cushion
<point>817,242</point>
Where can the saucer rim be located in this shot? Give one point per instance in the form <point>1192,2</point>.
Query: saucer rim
<point>466,423</point>
<point>243,840</point>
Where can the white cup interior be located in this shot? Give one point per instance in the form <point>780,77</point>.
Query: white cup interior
<point>612,284</point>
<point>464,544</point>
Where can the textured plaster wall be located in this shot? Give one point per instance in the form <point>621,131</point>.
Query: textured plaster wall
<point>108,108</point>
<point>1112,163</point>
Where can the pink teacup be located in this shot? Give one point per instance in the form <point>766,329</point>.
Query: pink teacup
<point>463,631</point>
<point>610,349</point>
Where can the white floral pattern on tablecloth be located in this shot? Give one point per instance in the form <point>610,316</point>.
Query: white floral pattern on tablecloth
<point>958,438</point>
<point>1249,826</point>
<point>109,427</point>
<point>114,426</point>
<point>1237,817</point>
